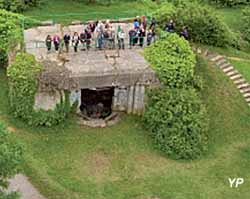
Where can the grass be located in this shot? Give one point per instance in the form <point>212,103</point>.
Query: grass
<point>232,17</point>
<point>66,11</point>
<point>243,67</point>
<point>70,161</point>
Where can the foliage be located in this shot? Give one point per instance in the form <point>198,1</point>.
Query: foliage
<point>18,5</point>
<point>10,33</point>
<point>23,82</point>
<point>246,23</point>
<point>177,120</point>
<point>203,23</point>
<point>230,3</point>
<point>11,156</point>
<point>9,196</point>
<point>173,60</point>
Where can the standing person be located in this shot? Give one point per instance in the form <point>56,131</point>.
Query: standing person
<point>88,37</point>
<point>132,35</point>
<point>56,41</point>
<point>112,37</point>
<point>153,24</point>
<point>184,32</point>
<point>82,39</point>
<point>150,36</point>
<point>48,42</point>
<point>75,41</point>
<point>66,39</point>
<point>91,27</point>
<point>170,26</point>
<point>99,34</point>
<point>144,23</point>
<point>142,34</point>
<point>121,38</point>
<point>137,23</point>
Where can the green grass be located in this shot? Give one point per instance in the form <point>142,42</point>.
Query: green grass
<point>65,11</point>
<point>70,161</point>
<point>243,67</point>
<point>232,17</point>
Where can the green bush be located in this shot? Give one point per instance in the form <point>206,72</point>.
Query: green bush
<point>230,3</point>
<point>18,5</point>
<point>177,120</point>
<point>204,24</point>
<point>11,156</point>
<point>173,60</point>
<point>23,77</point>
<point>246,24</point>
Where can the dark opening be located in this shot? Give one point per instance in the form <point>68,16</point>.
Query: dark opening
<point>97,103</point>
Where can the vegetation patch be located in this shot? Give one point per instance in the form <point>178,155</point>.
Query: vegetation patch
<point>23,77</point>
<point>204,24</point>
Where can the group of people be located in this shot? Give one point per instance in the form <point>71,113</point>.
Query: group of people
<point>170,28</point>
<point>104,35</point>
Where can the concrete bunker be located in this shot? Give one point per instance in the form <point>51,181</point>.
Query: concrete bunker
<point>93,78</point>
<point>97,103</point>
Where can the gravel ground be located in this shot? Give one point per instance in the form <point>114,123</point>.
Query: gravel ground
<point>21,184</point>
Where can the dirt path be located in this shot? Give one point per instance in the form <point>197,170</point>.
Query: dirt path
<point>21,184</point>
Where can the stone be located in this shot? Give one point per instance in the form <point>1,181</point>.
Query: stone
<point>229,68</point>
<point>216,58</point>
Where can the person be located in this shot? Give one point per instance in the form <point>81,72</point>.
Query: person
<point>137,23</point>
<point>184,32</point>
<point>75,41</point>
<point>142,34</point>
<point>99,34</point>
<point>111,37</point>
<point>150,36</point>
<point>153,24</point>
<point>144,22</point>
<point>48,42</point>
<point>91,27</point>
<point>56,41</point>
<point>88,37</point>
<point>82,39</point>
<point>107,24</point>
<point>121,38</point>
<point>66,39</point>
<point>170,26</point>
<point>132,37</point>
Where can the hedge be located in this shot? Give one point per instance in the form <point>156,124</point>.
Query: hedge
<point>173,60</point>
<point>23,77</point>
<point>204,24</point>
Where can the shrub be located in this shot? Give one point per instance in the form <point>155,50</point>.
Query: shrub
<point>204,25</point>
<point>11,156</point>
<point>23,77</point>
<point>18,5</point>
<point>177,120</point>
<point>230,3</point>
<point>173,60</point>
<point>246,24</point>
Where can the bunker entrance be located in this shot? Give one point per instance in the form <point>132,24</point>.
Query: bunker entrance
<point>97,103</point>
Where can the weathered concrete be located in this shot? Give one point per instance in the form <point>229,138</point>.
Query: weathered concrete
<point>126,70</point>
<point>47,100</point>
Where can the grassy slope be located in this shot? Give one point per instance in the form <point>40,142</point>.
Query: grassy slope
<point>87,12</point>
<point>243,67</point>
<point>120,162</point>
